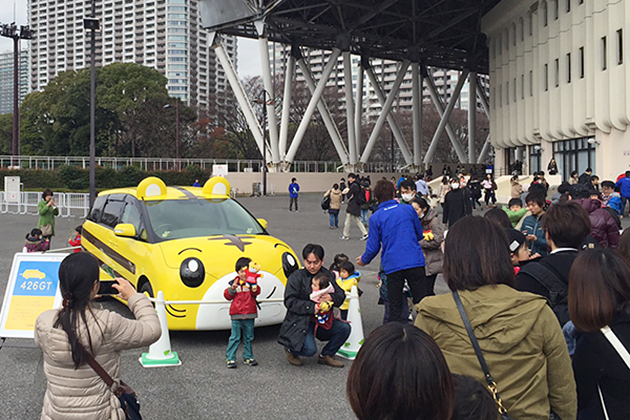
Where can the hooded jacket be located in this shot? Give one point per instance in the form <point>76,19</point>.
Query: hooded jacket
<point>80,394</point>
<point>335,198</point>
<point>603,227</point>
<point>433,255</point>
<point>346,285</point>
<point>521,341</point>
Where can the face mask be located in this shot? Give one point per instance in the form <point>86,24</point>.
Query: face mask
<point>407,197</point>
<point>422,215</point>
<point>454,186</point>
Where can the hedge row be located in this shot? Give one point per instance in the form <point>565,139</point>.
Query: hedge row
<point>73,178</point>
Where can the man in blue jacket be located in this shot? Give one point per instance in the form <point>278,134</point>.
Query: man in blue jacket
<point>294,188</point>
<point>624,188</point>
<point>397,228</point>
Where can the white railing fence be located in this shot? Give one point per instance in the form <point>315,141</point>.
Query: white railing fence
<point>70,204</point>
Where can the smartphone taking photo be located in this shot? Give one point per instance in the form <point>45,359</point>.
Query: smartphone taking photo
<point>106,288</point>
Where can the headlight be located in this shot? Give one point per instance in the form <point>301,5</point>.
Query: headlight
<point>289,264</point>
<point>192,272</point>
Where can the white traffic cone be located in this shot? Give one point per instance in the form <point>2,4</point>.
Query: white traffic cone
<point>160,354</point>
<point>351,347</point>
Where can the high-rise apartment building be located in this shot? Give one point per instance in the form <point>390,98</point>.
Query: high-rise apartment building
<point>385,70</point>
<point>6,79</point>
<point>163,34</point>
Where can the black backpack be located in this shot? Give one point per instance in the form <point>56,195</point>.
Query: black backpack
<point>558,290</point>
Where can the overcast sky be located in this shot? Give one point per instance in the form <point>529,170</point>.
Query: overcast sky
<point>248,54</point>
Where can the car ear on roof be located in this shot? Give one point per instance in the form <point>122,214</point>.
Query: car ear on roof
<point>151,188</point>
<point>216,187</point>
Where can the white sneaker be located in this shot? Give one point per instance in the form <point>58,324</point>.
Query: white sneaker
<point>364,237</point>
<point>344,238</point>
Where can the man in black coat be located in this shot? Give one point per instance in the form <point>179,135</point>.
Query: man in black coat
<point>456,204</point>
<point>356,197</point>
<point>566,226</point>
<point>297,333</point>
<point>585,178</point>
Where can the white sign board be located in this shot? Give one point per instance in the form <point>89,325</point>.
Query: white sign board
<point>33,288</point>
<point>12,189</point>
<point>219,170</point>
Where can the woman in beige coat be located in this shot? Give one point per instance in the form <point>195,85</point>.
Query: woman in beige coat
<point>335,204</point>
<point>102,333</point>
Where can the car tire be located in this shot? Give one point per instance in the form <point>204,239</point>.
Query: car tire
<point>147,288</point>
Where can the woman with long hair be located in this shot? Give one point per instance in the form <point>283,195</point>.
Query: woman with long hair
<point>65,334</point>
<point>400,373</point>
<point>599,305</point>
<point>519,335</point>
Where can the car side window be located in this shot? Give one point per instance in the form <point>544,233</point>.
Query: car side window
<point>97,209</point>
<point>131,215</point>
<point>111,213</point>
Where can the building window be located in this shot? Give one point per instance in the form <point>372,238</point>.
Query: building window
<point>522,86</point>
<point>514,95</point>
<point>568,6</point>
<point>507,93</point>
<point>557,72</point>
<point>620,46</point>
<point>555,9</point>
<point>581,62</point>
<point>530,24</point>
<point>569,68</point>
<point>531,83</point>
<point>543,11</point>
<point>604,53</point>
<point>546,77</point>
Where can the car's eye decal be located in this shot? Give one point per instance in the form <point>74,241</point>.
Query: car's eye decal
<point>188,249</point>
<point>192,272</point>
<point>279,244</point>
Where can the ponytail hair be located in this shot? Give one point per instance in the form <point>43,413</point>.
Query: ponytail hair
<point>77,274</point>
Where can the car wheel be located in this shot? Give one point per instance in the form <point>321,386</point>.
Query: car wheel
<point>147,289</point>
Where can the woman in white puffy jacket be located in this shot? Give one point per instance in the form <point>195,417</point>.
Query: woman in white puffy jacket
<point>101,332</point>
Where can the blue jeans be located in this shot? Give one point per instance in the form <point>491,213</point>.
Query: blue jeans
<point>334,217</point>
<point>364,216</point>
<point>241,328</point>
<point>336,337</point>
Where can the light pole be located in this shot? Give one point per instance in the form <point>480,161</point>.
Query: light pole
<point>176,130</point>
<point>92,24</point>
<point>264,102</point>
<point>11,31</point>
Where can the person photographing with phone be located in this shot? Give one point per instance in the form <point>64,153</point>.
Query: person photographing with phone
<point>47,209</point>
<point>65,336</point>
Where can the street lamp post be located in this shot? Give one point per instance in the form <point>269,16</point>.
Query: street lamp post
<point>11,31</point>
<point>92,24</point>
<point>264,102</point>
<point>176,130</point>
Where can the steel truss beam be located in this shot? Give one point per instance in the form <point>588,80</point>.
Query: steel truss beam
<point>269,98</point>
<point>472,115</point>
<point>444,122</point>
<point>286,104</point>
<point>347,79</point>
<point>385,114</point>
<point>439,106</point>
<point>416,88</point>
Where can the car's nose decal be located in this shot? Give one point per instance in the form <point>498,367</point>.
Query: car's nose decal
<point>234,241</point>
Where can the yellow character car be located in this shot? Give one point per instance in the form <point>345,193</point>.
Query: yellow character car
<point>185,242</point>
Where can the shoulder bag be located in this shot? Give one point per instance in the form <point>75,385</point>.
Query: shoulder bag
<point>127,396</point>
<point>623,353</point>
<point>491,384</point>
<point>47,229</point>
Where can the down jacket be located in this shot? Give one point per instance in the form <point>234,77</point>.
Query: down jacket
<point>603,227</point>
<point>433,255</point>
<point>94,401</point>
<point>521,341</point>
<point>243,299</point>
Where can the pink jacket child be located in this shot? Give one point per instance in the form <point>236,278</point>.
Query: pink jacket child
<point>321,286</point>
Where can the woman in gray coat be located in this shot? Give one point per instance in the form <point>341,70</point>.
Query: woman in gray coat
<point>431,245</point>
<point>62,333</point>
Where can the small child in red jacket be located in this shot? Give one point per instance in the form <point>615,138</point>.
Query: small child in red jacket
<point>243,311</point>
<point>75,240</point>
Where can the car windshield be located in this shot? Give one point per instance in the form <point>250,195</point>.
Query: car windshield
<point>175,219</point>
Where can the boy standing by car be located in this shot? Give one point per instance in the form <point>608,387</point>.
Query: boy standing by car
<point>243,311</point>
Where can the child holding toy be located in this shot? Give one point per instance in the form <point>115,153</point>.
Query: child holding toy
<point>75,239</point>
<point>320,285</point>
<point>243,311</point>
<point>348,277</point>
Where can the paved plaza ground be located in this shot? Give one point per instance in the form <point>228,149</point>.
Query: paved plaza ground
<point>202,388</point>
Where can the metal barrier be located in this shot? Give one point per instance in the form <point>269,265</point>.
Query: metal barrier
<point>70,204</point>
<point>74,201</point>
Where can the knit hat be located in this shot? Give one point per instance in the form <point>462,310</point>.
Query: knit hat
<point>515,239</point>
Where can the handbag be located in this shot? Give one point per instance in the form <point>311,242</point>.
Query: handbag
<point>127,396</point>
<point>623,353</point>
<point>491,384</point>
<point>47,229</point>
<point>326,203</point>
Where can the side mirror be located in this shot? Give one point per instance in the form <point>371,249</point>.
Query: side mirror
<point>263,223</point>
<point>126,230</point>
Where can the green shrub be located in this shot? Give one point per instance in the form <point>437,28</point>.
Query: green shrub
<point>74,178</point>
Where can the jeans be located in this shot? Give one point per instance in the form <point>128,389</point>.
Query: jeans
<point>291,201</point>
<point>334,217</point>
<point>241,328</point>
<point>489,195</point>
<point>357,220</point>
<point>336,337</point>
<point>395,283</point>
<point>364,216</point>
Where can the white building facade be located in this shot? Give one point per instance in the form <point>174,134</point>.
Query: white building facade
<point>560,84</point>
<point>6,80</point>
<point>162,34</point>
